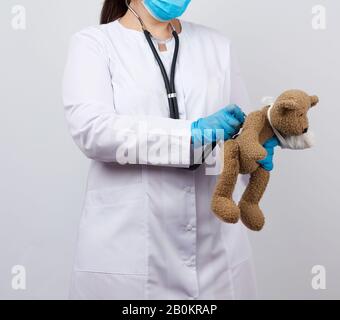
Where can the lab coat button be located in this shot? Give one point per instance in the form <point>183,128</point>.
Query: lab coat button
<point>191,262</point>
<point>189,227</point>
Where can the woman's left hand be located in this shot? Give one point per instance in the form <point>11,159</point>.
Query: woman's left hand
<point>270,145</point>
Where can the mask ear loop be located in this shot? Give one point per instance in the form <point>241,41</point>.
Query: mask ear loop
<point>127,2</point>
<point>276,132</point>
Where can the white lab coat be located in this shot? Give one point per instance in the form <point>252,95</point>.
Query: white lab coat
<point>147,231</point>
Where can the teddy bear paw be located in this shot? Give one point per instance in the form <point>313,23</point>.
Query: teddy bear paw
<point>226,209</point>
<point>252,216</point>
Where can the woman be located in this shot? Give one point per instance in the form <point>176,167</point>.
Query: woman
<point>147,231</point>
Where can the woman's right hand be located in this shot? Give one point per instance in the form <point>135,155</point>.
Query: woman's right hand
<point>208,130</point>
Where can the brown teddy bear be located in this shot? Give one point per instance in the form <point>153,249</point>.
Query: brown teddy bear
<point>286,119</point>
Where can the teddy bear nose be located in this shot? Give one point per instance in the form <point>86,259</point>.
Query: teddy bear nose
<point>305,130</point>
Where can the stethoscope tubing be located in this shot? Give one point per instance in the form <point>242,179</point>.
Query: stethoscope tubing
<point>169,84</point>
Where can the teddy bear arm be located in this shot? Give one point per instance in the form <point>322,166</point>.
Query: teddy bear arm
<point>255,121</point>
<point>249,139</point>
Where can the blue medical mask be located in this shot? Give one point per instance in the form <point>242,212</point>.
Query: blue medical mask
<point>166,10</point>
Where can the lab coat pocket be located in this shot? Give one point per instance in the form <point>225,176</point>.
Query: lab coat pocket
<point>112,234</point>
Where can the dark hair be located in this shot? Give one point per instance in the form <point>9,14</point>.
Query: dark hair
<point>112,10</point>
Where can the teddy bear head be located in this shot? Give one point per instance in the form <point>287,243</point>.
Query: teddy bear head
<point>289,112</point>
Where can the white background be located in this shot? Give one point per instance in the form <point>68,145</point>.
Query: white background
<point>43,174</point>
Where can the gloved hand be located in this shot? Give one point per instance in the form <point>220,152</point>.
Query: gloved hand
<point>229,119</point>
<point>270,145</point>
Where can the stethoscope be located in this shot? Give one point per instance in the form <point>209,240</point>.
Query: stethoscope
<point>169,83</point>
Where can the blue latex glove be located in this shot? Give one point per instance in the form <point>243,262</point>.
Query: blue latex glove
<point>270,145</point>
<point>229,119</point>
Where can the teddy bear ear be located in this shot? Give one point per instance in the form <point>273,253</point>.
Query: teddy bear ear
<point>287,105</point>
<point>314,100</point>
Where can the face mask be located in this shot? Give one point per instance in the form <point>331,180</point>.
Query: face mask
<point>304,141</point>
<point>166,10</point>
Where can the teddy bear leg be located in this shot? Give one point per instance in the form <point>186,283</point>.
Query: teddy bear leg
<point>251,214</point>
<point>222,203</point>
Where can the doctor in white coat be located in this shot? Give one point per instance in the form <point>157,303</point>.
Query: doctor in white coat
<point>147,231</point>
